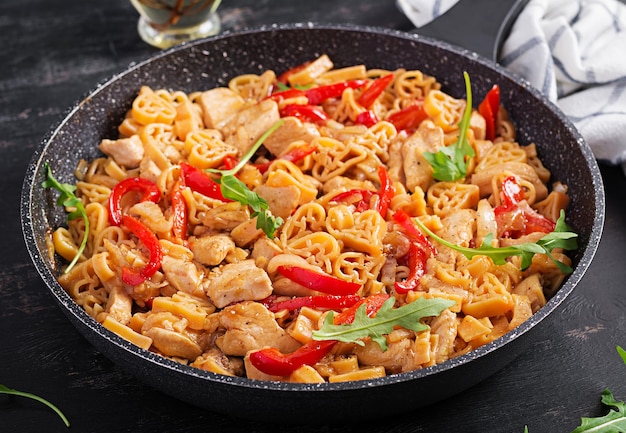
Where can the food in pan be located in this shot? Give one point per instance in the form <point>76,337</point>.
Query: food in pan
<point>321,225</point>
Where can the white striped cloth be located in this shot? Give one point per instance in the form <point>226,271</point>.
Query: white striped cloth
<point>574,52</point>
<point>421,12</point>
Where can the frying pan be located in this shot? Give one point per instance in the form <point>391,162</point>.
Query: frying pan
<point>211,62</point>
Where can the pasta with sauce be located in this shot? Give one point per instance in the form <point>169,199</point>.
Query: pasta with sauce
<point>346,173</point>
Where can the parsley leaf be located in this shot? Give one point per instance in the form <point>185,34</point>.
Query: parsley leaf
<point>561,237</point>
<point>236,190</point>
<point>6,390</point>
<point>69,200</point>
<point>451,162</point>
<point>407,316</point>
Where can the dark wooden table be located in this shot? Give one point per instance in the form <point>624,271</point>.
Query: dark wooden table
<point>53,52</point>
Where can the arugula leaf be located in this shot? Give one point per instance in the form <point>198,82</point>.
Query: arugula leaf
<point>561,237</point>
<point>451,162</point>
<point>622,353</point>
<point>387,317</point>
<point>69,200</point>
<point>236,190</point>
<point>613,422</point>
<point>6,390</point>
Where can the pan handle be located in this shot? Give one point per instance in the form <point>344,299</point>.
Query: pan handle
<point>477,25</point>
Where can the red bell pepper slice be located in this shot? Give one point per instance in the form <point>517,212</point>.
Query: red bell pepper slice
<point>271,361</point>
<point>318,281</point>
<point>488,108</point>
<point>374,90</point>
<point>317,95</point>
<point>307,113</point>
<point>512,192</point>
<point>372,305</point>
<point>294,155</point>
<point>417,265</point>
<point>514,220</point>
<point>229,162</point>
<point>135,277</point>
<point>360,198</point>
<point>286,94</point>
<point>366,118</point>
<point>386,191</point>
<point>201,183</point>
<point>180,213</point>
<point>414,233</point>
<point>333,302</point>
<point>148,189</point>
<point>408,118</point>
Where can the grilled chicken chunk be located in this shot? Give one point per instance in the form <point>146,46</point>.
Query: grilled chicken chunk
<point>237,282</point>
<point>250,326</point>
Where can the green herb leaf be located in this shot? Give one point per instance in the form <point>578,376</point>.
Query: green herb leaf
<point>67,199</point>
<point>234,189</point>
<point>6,390</point>
<point>613,422</point>
<point>622,353</point>
<point>451,162</point>
<point>561,237</point>
<point>408,316</point>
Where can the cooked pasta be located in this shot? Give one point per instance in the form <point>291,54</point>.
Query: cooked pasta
<point>346,163</point>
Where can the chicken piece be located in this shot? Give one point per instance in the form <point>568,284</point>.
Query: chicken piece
<point>291,130</point>
<point>282,200</point>
<point>152,216</point>
<point>397,358</point>
<point>218,105</point>
<point>250,326</point>
<point>417,170</point>
<point>478,125</point>
<point>170,336</point>
<point>149,170</point>
<point>445,326</point>
<point>119,305</point>
<point>459,227</point>
<point>226,216</point>
<point>212,250</point>
<point>236,282</point>
<point>127,152</point>
<point>486,223</point>
<point>183,275</point>
<point>263,251</point>
<point>244,128</point>
<point>246,233</point>
<point>216,361</point>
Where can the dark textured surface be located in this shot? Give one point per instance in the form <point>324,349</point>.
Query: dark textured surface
<point>57,50</point>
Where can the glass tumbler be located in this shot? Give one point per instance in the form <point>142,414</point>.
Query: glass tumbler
<point>164,23</point>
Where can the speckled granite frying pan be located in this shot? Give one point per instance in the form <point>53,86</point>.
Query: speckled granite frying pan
<point>212,62</point>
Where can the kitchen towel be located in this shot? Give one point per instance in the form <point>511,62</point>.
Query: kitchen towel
<point>574,52</point>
